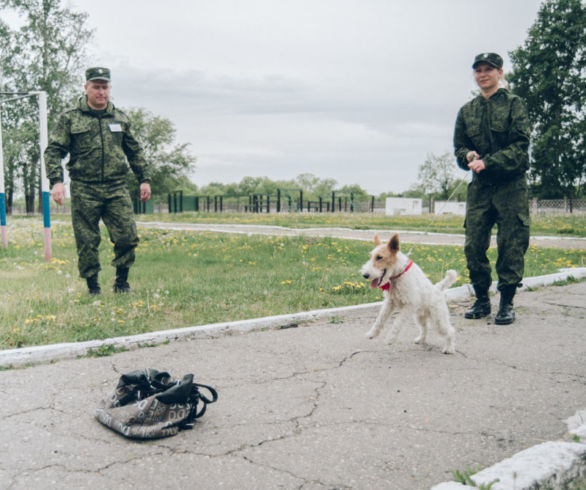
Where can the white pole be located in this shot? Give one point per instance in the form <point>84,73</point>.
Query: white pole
<point>43,142</point>
<point>2,193</point>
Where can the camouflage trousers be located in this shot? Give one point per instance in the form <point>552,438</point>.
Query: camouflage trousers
<point>112,204</point>
<point>507,206</point>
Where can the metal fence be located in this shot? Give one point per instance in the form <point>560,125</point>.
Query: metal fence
<point>243,204</point>
<point>558,206</point>
<point>280,202</point>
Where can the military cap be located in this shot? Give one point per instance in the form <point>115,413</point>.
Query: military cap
<point>490,58</point>
<point>97,73</point>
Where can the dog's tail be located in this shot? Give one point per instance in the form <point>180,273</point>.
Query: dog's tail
<point>446,282</point>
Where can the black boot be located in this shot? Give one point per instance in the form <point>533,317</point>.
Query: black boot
<point>481,306</point>
<point>506,313</point>
<point>121,283</point>
<point>93,285</point>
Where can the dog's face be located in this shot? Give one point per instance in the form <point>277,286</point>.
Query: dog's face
<point>382,260</point>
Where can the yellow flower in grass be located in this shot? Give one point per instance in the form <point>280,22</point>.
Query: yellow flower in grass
<point>287,281</point>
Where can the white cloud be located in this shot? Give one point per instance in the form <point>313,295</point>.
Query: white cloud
<point>356,90</point>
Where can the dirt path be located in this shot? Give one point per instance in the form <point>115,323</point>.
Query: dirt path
<point>365,235</point>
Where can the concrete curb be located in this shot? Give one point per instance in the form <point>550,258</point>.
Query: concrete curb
<point>53,352</point>
<point>46,353</point>
<point>551,465</point>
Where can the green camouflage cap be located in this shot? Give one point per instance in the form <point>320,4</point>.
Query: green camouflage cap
<point>490,58</point>
<point>97,73</point>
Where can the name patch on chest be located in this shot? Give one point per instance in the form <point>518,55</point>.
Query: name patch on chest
<point>115,127</point>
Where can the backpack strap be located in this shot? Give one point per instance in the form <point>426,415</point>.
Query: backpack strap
<point>196,395</point>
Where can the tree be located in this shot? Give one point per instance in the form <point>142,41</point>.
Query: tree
<point>44,53</point>
<point>170,162</point>
<point>358,192</point>
<point>437,175</point>
<point>313,186</point>
<point>548,73</point>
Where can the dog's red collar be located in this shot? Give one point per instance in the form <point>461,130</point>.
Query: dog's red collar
<point>387,286</point>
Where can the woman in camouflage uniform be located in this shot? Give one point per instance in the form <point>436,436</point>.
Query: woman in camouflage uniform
<point>491,139</point>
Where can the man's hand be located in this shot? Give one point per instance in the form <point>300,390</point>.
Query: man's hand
<point>58,193</point>
<point>145,191</point>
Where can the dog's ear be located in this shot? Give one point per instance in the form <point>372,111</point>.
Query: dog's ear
<point>376,240</point>
<point>394,243</point>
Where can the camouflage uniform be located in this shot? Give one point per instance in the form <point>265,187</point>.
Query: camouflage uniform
<point>100,147</point>
<point>498,130</point>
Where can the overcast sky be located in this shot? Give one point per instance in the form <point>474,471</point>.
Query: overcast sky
<point>356,90</point>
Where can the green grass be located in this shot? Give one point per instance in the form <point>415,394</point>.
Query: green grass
<point>185,278</point>
<point>564,225</point>
<point>465,478</point>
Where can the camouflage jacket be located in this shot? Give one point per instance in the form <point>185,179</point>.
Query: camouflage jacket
<point>100,146</point>
<point>498,130</point>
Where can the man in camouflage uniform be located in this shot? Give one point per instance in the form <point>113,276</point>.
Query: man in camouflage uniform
<point>98,139</point>
<point>491,139</point>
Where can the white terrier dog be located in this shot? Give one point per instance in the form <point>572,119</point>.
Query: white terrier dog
<point>406,288</point>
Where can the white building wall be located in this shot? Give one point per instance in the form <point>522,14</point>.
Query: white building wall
<point>403,206</point>
<point>450,207</point>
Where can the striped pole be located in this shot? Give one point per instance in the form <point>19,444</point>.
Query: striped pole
<point>43,142</point>
<point>2,193</point>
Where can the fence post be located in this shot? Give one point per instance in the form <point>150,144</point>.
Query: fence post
<point>278,200</point>
<point>351,202</point>
<point>300,208</point>
<point>221,203</point>
<point>333,201</point>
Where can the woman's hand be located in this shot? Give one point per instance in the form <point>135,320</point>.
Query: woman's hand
<point>471,156</point>
<point>476,166</point>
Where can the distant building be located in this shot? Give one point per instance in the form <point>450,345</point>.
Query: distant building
<point>401,206</point>
<point>450,207</point>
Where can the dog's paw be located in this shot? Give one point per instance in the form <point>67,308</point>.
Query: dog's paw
<point>419,340</point>
<point>371,334</point>
<point>450,349</point>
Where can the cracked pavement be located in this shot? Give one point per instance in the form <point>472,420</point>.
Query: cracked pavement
<point>313,407</point>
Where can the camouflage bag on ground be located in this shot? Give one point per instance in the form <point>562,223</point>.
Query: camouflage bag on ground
<point>148,404</point>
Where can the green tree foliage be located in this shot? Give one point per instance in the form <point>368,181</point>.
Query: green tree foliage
<point>170,162</point>
<point>44,52</point>
<point>354,189</point>
<point>438,177</point>
<point>312,186</point>
<point>549,70</point>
